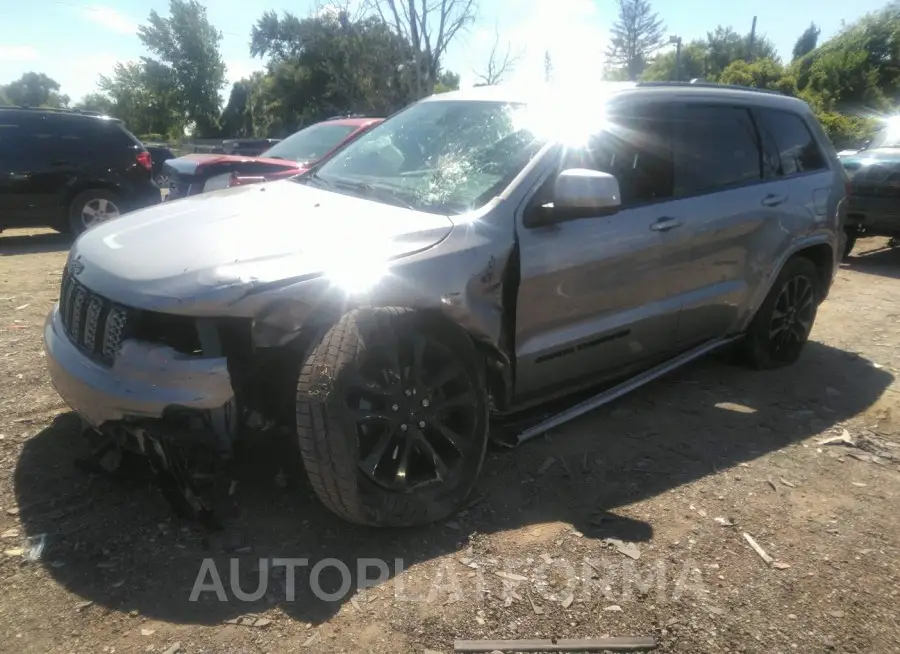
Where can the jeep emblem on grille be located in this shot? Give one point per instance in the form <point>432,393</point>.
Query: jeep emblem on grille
<point>77,266</point>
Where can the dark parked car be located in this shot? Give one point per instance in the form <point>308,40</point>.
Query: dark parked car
<point>197,173</point>
<point>873,207</point>
<point>69,170</point>
<point>159,154</point>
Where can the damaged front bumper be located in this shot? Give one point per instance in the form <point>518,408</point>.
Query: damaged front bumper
<point>145,382</point>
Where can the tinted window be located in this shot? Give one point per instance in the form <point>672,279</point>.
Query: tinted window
<point>715,147</point>
<point>637,150</point>
<point>14,134</point>
<point>30,137</point>
<point>797,150</point>
<point>311,143</point>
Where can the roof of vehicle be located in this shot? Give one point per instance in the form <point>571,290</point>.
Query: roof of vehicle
<point>560,93</point>
<point>354,121</point>
<point>60,112</point>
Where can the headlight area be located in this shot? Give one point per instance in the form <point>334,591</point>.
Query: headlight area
<point>227,180</point>
<point>263,357</point>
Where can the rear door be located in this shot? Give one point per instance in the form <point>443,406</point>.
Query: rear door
<point>728,201</point>
<point>808,190</point>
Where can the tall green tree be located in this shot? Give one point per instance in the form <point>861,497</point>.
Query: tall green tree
<point>857,70</point>
<point>237,117</point>
<point>429,28</point>
<point>636,35</point>
<point>725,45</point>
<point>447,81</point>
<point>328,64</point>
<point>761,74</point>
<point>693,64</point>
<point>186,49</point>
<point>145,97</point>
<point>96,102</point>
<point>807,41</point>
<point>34,90</point>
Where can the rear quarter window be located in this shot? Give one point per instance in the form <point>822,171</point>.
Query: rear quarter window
<point>794,149</point>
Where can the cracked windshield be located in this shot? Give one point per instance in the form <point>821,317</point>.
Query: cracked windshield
<point>434,326</point>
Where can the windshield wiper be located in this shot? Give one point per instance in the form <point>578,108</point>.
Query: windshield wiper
<point>315,179</point>
<point>384,194</point>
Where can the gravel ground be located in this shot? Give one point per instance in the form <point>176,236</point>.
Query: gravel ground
<point>628,522</point>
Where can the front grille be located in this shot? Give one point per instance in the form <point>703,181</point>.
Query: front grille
<point>94,324</point>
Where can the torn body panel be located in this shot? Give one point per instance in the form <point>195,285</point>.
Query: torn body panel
<point>217,260</point>
<point>221,260</point>
<point>145,381</point>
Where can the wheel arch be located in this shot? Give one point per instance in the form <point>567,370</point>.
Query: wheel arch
<point>823,257</point>
<point>497,368</point>
<point>79,187</point>
<point>820,250</point>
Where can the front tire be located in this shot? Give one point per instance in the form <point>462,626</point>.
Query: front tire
<point>781,327</point>
<point>392,417</point>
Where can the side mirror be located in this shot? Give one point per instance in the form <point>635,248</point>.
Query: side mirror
<point>579,193</point>
<point>589,191</point>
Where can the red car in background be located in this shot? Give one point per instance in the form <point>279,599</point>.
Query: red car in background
<point>198,173</point>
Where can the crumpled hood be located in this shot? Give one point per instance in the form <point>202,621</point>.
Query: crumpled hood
<point>181,253</point>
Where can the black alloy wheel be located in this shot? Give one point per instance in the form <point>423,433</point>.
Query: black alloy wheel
<point>392,417</point>
<point>414,410</point>
<point>782,324</point>
<point>792,317</point>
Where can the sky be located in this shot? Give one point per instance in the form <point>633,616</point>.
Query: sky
<point>74,41</point>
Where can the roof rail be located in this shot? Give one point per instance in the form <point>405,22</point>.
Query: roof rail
<point>711,85</point>
<point>80,112</point>
<point>342,117</point>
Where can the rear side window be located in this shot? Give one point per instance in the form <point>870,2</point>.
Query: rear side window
<point>715,147</point>
<point>794,146</point>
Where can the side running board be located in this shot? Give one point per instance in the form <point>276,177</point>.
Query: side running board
<point>627,386</point>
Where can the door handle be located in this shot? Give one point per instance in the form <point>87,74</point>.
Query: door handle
<point>665,224</point>
<point>773,200</point>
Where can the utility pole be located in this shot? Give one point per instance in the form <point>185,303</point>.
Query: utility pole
<point>751,41</point>
<point>677,41</point>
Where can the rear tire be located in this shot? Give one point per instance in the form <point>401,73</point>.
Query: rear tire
<point>781,327</point>
<point>392,417</point>
<point>848,246</point>
<point>93,207</point>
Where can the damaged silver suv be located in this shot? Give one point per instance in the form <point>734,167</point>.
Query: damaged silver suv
<point>478,253</point>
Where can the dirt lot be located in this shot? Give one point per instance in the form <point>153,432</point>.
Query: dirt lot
<point>661,470</point>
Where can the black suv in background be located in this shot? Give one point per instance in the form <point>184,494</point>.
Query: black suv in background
<point>69,170</point>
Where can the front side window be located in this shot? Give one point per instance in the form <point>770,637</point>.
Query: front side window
<point>636,149</point>
<point>31,138</point>
<point>438,156</point>
<point>797,150</point>
<point>715,147</point>
<point>311,143</point>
